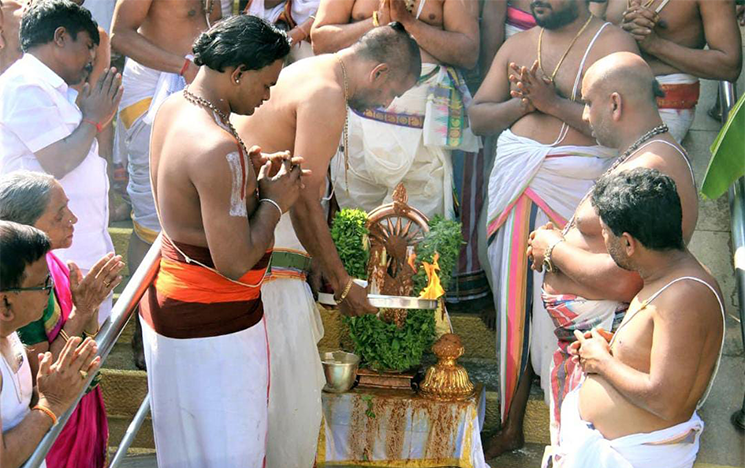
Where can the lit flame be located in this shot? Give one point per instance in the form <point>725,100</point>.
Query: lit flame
<point>412,261</point>
<point>434,288</point>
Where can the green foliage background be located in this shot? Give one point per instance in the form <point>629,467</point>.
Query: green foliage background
<point>350,236</point>
<point>381,345</point>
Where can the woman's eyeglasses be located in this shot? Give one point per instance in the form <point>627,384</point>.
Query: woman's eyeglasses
<point>47,287</point>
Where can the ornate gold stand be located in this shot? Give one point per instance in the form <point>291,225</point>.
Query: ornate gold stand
<point>446,380</point>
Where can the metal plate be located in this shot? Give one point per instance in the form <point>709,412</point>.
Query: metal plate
<point>387,302</point>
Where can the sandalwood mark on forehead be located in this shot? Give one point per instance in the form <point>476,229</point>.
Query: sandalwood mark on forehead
<point>237,198</point>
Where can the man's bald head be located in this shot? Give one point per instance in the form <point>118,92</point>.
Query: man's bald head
<point>10,21</point>
<point>619,91</point>
<point>626,74</point>
<point>391,44</point>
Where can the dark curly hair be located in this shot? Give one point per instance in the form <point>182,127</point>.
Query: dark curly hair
<point>21,246</point>
<point>241,40</point>
<point>644,203</point>
<point>44,17</point>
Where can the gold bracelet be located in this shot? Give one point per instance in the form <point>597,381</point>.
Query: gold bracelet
<point>46,411</point>
<point>344,294</point>
<point>376,20</point>
<point>548,263</point>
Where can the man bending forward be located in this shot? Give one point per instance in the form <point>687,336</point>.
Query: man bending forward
<point>307,116</point>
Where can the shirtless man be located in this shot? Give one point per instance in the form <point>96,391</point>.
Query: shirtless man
<point>672,36</point>
<point>203,329</point>
<point>307,117</point>
<point>583,287</point>
<point>546,160</point>
<point>415,151</point>
<point>156,36</point>
<point>652,376</point>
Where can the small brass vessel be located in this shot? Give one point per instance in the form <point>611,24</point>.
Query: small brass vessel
<point>446,380</point>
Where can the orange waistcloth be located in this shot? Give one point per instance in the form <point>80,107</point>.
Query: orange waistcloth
<point>187,300</point>
<point>679,96</point>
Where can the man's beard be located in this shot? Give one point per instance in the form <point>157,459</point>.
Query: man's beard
<point>361,104</point>
<point>616,253</point>
<point>556,20</point>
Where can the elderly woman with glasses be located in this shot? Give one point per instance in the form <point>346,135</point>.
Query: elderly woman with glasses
<point>37,199</point>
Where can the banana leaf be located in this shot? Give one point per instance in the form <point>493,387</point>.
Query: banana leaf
<point>727,162</point>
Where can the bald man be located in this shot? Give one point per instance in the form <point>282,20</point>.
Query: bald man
<point>682,40</point>
<point>583,287</point>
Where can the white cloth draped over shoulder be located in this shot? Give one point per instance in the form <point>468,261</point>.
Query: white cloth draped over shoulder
<point>301,10</point>
<point>294,329</point>
<point>530,185</point>
<point>402,144</point>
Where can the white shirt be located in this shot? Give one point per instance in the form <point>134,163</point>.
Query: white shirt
<point>37,108</point>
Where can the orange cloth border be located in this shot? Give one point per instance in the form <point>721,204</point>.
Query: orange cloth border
<point>679,96</point>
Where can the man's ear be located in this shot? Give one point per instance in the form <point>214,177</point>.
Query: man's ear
<point>616,106</point>
<point>61,36</point>
<point>235,77</point>
<point>6,308</point>
<point>379,74</point>
<point>629,244</point>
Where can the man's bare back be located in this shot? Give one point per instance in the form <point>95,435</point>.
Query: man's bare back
<point>184,140</point>
<point>586,234</point>
<point>306,87</point>
<point>522,50</point>
<point>687,320</point>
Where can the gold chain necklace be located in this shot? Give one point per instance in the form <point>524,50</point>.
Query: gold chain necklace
<point>200,101</point>
<point>345,134</point>
<point>561,60</point>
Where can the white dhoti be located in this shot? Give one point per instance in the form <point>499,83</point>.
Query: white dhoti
<point>530,185</point>
<point>299,12</point>
<point>582,446</point>
<point>145,90</point>
<point>295,328</point>
<point>404,144</point>
<point>678,107</point>
<point>208,398</point>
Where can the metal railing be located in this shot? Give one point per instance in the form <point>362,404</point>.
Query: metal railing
<point>106,339</point>
<point>736,193</point>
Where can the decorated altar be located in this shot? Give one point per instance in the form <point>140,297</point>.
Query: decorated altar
<point>375,427</point>
<point>397,416</point>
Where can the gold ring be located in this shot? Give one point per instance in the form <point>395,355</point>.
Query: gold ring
<point>83,374</point>
<point>107,283</point>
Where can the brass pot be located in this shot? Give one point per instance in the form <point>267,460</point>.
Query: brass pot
<point>340,369</point>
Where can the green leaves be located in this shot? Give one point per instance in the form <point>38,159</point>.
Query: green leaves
<point>444,237</point>
<point>381,345</point>
<point>384,346</point>
<point>350,236</point>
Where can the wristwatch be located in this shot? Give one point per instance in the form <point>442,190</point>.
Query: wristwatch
<point>548,265</point>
